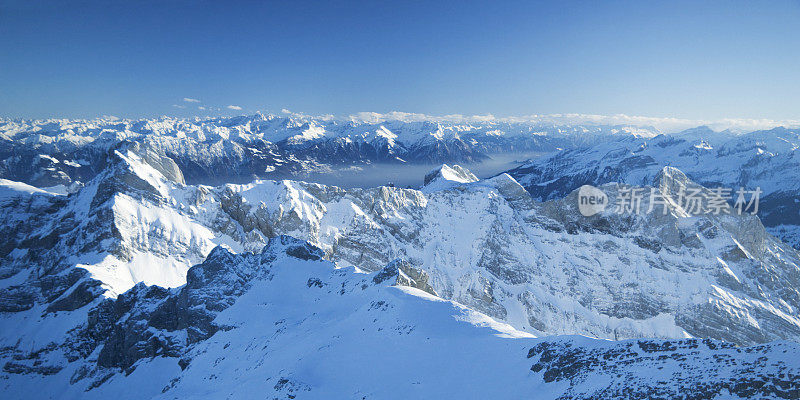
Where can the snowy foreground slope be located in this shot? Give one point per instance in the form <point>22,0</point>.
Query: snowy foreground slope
<point>77,313</point>
<point>283,323</point>
<point>768,160</point>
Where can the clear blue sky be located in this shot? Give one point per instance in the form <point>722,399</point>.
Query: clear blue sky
<point>692,59</point>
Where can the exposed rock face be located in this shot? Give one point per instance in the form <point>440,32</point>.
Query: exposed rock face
<point>284,323</point>
<point>764,159</point>
<point>405,275</point>
<point>150,321</point>
<point>139,285</point>
<point>47,236</point>
<point>542,267</point>
<point>132,234</point>
<point>643,271</point>
<point>647,369</point>
<point>239,149</point>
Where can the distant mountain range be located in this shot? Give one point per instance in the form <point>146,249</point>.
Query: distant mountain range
<point>240,149</point>
<point>769,160</point>
<point>64,154</point>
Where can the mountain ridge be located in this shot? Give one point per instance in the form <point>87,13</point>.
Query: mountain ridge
<point>239,149</point>
<point>764,160</point>
<point>136,225</point>
<point>235,329</point>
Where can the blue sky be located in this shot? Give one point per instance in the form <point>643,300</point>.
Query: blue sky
<point>702,60</point>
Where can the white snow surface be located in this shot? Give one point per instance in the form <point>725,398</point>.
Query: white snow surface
<point>505,269</point>
<point>305,329</point>
<point>485,244</point>
<point>767,161</point>
<point>11,189</point>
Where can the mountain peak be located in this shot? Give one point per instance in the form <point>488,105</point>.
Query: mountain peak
<point>671,176</point>
<point>446,176</point>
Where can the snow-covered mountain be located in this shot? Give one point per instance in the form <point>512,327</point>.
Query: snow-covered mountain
<point>768,160</point>
<point>283,323</point>
<point>239,149</point>
<point>98,292</point>
<point>542,267</point>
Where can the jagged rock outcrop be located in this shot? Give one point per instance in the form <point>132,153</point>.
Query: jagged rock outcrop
<point>238,149</point>
<point>542,267</point>
<point>610,265</point>
<point>138,285</point>
<point>647,369</point>
<point>286,323</point>
<point>405,275</point>
<point>765,160</point>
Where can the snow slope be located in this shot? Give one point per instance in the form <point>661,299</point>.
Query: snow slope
<point>768,160</point>
<point>10,189</point>
<point>283,323</point>
<point>540,267</point>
